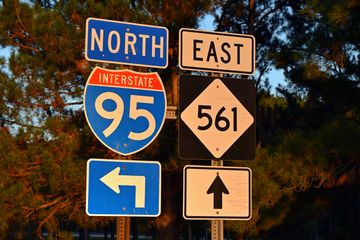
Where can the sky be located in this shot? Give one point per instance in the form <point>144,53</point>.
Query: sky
<point>5,52</point>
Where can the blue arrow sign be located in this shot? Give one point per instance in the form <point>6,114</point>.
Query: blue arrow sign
<point>123,188</point>
<point>126,43</point>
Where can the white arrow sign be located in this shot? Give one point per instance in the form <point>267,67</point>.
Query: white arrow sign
<point>113,180</point>
<point>217,193</point>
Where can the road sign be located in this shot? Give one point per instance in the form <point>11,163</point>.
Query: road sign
<point>124,109</point>
<point>216,51</point>
<point>123,188</point>
<point>217,118</point>
<point>217,193</point>
<point>126,43</point>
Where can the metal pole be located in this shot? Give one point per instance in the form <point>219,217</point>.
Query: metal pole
<point>123,223</point>
<point>217,229</point>
<point>123,228</point>
<point>217,226</point>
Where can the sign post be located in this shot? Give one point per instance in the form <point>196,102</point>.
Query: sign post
<point>122,228</point>
<point>217,226</point>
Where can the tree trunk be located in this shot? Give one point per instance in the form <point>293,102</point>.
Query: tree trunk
<point>251,17</point>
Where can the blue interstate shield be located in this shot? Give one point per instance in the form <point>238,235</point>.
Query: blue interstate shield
<point>125,109</point>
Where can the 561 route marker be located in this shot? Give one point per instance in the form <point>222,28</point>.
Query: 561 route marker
<point>124,109</point>
<point>217,118</point>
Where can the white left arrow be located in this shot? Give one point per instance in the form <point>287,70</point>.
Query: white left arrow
<point>113,180</point>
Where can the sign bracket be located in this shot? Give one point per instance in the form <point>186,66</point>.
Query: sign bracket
<point>171,112</point>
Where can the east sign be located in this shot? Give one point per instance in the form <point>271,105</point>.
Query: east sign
<point>216,52</point>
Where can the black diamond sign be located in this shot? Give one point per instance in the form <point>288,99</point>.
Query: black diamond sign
<point>217,118</point>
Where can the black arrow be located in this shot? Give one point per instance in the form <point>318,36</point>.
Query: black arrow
<point>217,188</point>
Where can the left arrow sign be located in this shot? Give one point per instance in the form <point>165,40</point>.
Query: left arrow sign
<point>113,180</point>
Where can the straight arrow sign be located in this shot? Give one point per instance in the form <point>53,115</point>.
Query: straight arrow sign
<point>113,180</point>
<point>217,188</point>
<point>217,193</point>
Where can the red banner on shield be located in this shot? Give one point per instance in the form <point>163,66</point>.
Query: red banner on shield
<point>125,78</point>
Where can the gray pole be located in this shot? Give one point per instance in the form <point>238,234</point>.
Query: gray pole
<point>217,226</point>
<point>123,223</point>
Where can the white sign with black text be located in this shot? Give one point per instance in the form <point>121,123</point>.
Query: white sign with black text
<point>216,51</point>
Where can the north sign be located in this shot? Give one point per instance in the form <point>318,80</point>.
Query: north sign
<point>123,188</point>
<point>124,109</point>
<point>217,118</point>
<point>217,193</point>
<point>216,51</point>
<point>126,43</point>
